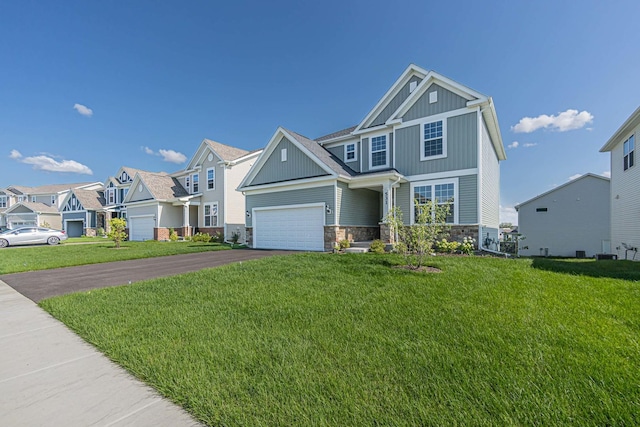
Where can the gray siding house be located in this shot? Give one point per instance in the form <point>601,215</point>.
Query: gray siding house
<point>428,140</point>
<point>568,221</point>
<point>625,197</point>
<point>84,212</point>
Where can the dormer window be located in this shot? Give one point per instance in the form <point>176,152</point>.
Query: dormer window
<point>124,177</point>
<point>350,152</point>
<point>378,152</point>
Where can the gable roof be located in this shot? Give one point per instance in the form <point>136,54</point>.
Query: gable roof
<point>323,155</point>
<point>225,152</point>
<point>48,189</point>
<point>573,181</point>
<point>160,185</point>
<point>36,207</point>
<point>632,122</point>
<point>338,134</point>
<point>90,199</point>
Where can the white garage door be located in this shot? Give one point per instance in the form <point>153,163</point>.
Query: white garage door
<point>298,228</point>
<point>141,228</point>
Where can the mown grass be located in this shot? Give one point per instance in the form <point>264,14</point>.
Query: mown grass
<point>44,257</point>
<point>321,339</point>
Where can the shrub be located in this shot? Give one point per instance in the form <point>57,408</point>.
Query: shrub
<point>445,247</point>
<point>235,237</point>
<point>117,234</point>
<point>378,247</point>
<point>468,245</point>
<point>101,232</point>
<point>344,244</point>
<point>173,236</point>
<point>201,237</point>
<point>218,237</point>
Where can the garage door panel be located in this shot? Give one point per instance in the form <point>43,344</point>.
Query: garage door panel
<point>298,228</point>
<point>141,228</point>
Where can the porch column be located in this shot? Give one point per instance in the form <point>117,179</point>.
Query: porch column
<point>387,199</point>
<point>186,230</point>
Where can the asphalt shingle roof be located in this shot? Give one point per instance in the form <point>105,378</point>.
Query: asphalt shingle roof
<point>162,186</point>
<point>39,207</point>
<point>226,152</point>
<point>343,132</point>
<point>324,155</point>
<point>90,199</point>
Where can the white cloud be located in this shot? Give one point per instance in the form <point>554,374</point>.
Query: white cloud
<point>508,214</point>
<point>49,164</point>
<point>576,176</point>
<point>514,144</point>
<point>607,174</point>
<point>83,110</point>
<point>564,121</point>
<point>15,154</point>
<point>172,156</point>
<point>529,144</point>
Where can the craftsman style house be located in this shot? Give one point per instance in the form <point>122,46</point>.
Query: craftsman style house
<point>428,140</point>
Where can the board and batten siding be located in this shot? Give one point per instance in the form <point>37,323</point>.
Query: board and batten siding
<point>490,191</point>
<point>467,200</point>
<point>366,148</point>
<point>462,147</point>
<point>625,198</point>
<point>298,165</point>
<point>338,151</point>
<point>393,105</point>
<point>357,207</point>
<point>447,101</point>
<point>324,194</point>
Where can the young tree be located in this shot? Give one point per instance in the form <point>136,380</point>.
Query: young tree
<point>116,232</point>
<point>416,241</point>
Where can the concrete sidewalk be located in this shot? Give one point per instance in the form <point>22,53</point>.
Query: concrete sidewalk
<point>51,377</point>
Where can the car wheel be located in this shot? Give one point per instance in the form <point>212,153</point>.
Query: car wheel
<point>3,243</point>
<point>53,240</point>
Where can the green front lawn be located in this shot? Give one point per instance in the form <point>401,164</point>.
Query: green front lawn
<point>44,257</point>
<point>322,339</point>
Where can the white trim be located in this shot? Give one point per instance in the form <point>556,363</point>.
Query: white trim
<point>442,175</point>
<point>217,215</point>
<point>371,130</point>
<point>193,182</point>
<point>301,205</point>
<point>433,183</point>
<point>336,140</point>
<point>292,185</point>
<point>480,170</point>
<point>355,152</point>
<point>224,204</point>
<point>424,158</point>
<point>435,117</point>
<point>283,154</point>
<point>207,179</point>
<point>143,203</point>
<point>141,216</point>
<point>387,149</point>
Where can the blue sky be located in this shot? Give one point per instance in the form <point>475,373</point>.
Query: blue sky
<point>87,87</point>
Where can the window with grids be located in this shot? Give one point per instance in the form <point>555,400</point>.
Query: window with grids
<point>350,152</point>
<point>211,179</point>
<point>187,183</point>
<point>628,151</point>
<point>435,194</point>
<point>195,182</point>
<point>211,215</point>
<point>3,201</point>
<point>111,196</point>
<point>433,144</point>
<point>379,151</point>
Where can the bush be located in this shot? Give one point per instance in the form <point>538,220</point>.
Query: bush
<point>201,237</point>
<point>344,244</point>
<point>468,245</point>
<point>218,237</point>
<point>101,232</point>
<point>173,236</point>
<point>378,247</point>
<point>445,247</point>
<point>235,237</point>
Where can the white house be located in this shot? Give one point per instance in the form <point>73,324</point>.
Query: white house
<point>571,220</point>
<point>625,197</point>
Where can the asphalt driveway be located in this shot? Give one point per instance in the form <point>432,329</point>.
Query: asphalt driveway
<point>38,285</point>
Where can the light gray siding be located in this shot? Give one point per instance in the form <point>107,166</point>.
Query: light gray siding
<point>74,215</point>
<point>393,105</point>
<point>337,151</point>
<point>468,199</point>
<point>325,194</point>
<point>447,101</point>
<point>573,217</point>
<point>462,147</point>
<point>297,166</point>
<point>490,192</point>
<point>138,196</point>
<point>366,148</point>
<point>171,216</point>
<point>357,207</point>
<point>403,201</point>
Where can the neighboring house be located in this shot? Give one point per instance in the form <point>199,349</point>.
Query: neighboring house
<point>42,201</point>
<point>83,212</point>
<point>571,220</point>
<point>428,140</point>
<point>625,197</point>
<point>115,190</point>
<point>211,178</point>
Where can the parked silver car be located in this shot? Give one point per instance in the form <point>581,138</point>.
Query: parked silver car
<point>31,236</point>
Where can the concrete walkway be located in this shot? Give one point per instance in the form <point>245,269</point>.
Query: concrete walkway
<point>51,377</point>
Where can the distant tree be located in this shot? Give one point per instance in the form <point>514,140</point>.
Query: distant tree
<point>506,225</point>
<point>116,231</point>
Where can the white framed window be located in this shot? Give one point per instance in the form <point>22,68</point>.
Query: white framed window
<point>211,179</point>
<point>628,148</point>
<point>34,199</point>
<point>73,203</point>
<point>125,191</point>
<point>124,177</point>
<point>378,152</point>
<point>211,214</point>
<point>434,142</point>
<point>433,97</point>
<point>283,155</point>
<point>187,183</point>
<point>53,200</point>
<point>350,153</point>
<point>21,199</point>
<point>111,196</point>
<point>195,182</point>
<point>440,192</point>
<point>3,201</point>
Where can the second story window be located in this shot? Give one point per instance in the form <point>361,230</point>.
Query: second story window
<point>187,183</point>
<point>379,151</point>
<point>350,152</point>
<point>53,200</point>
<point>3,201</point>
<point>211,179</point>
<point>628,149</point>
<point>34,199</point>
<point>195,182</point>
<point>111,196</point>
<point>433,144</point>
